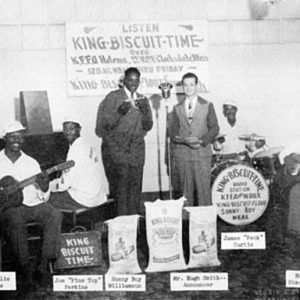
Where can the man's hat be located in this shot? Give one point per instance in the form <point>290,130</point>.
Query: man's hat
<point>13,126</point>
<point>72,117</point>
<point>230,103</point>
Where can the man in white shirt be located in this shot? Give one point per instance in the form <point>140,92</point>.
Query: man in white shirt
<point>35,208</point>
<point>84,185</point>
<point>231,129</point>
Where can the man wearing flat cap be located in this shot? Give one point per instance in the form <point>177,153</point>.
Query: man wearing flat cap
<point>84,185</point>
<point>124,118</point>
<point>34,208</point>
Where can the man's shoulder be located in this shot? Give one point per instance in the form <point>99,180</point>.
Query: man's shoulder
<point>81,147</point>
<point>81,143</point>
<point>180,103</point>
<point>202,101</point>
<point>2,154</point>
<point>30,161</point>
<point>28,158</point>
<point>115,93</point>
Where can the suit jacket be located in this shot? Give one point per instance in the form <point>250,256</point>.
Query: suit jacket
<point>204,126</point>
<point>123,135</point>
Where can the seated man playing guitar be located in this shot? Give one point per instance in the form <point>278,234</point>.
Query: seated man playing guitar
<point>19,206</point>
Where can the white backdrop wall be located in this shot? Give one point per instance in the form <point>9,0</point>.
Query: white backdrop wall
<point>254,62</point>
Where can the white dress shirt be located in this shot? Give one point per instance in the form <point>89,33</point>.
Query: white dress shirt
<point>131,97</point>
<point>23,168</point>
<point>232,142</point>
<point>85,182</point>
<point>190,105</point>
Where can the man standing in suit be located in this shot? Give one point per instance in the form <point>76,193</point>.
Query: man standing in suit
<point>193,130</point>
<point>124,117</point>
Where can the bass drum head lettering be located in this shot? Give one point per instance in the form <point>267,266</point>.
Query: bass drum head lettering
<point>240,194</point>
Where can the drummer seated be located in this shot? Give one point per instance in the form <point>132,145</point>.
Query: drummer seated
<point>224,154</point>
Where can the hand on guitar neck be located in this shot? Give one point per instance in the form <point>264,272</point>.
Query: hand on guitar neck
<point>11,190</point>
<point>42,181</point>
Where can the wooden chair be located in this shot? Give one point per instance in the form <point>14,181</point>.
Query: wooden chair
<point>86,218</point>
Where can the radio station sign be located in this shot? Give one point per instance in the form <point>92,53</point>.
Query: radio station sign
<point>98,53</point>
<point>79,249</point>
<point>240,194</point>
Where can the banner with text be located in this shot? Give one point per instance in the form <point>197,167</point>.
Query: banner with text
<point>98,53</point>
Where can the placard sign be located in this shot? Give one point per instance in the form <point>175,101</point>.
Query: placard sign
<point>79,249</point>
<point>98,53</point>
<point>240,194</point>
<point>8,281</point>
<point>202,281</point>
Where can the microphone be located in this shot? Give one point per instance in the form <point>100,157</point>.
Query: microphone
<point>165,88</point>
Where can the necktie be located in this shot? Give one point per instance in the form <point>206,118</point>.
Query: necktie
<point>190,111</point>
<point>132,100</point>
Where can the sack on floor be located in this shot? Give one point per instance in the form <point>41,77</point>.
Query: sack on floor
<point>122,245</point>
<point>203,236</point>
<point>164,235</point>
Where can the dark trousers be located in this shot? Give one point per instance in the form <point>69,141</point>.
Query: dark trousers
<point>13,222</point>
<point>63,200</point>
<point>195,179</point>
<point>128,188</point>
<point>110,171</point>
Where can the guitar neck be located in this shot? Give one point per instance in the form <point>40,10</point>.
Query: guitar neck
<point>33,178</point>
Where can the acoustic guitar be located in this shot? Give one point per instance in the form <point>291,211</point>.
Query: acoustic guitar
<point>11,190</point>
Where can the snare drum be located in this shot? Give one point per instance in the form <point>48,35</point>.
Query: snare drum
<point>221,162</point>
<point>219,167</point>
<point>267,162</point>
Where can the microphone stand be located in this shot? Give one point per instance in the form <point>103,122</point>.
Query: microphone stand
<point>165,88</point>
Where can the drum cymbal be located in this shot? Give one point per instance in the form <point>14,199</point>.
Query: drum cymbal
<point>269,153</point>
<point>251,137</point>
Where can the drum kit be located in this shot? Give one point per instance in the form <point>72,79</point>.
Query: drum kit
<point>232,189</point>
<point>265,160</point>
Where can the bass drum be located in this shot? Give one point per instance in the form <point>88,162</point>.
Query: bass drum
<point>240,194</point>
<point>219,167</point>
